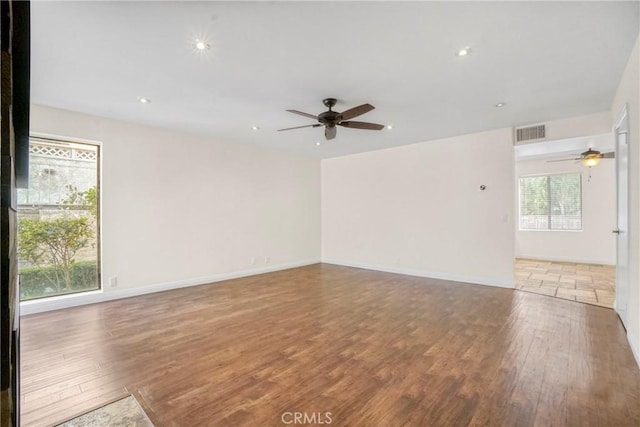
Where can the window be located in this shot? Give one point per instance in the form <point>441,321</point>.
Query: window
<point>551,202</point>
<point>58,217</point>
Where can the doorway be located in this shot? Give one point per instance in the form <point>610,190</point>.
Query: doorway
<point>566,210</point>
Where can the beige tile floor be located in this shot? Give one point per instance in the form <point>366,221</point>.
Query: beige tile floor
<point>590,283</point>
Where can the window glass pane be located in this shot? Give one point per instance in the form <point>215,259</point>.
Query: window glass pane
<point>534,203</point>
<point>58,220</point>
<point>551,202</point>
<point>565,201</point>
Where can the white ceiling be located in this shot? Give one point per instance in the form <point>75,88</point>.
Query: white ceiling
<point>546,60</point>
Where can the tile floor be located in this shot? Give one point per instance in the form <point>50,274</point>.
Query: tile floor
<point>590,283</point>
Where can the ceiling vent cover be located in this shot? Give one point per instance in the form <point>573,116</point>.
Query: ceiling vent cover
<point>530,133</point>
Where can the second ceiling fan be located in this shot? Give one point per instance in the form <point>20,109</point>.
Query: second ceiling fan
<point>590,157</point>
<point>330,119</point>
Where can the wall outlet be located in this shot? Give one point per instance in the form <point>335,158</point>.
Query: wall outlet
<point>266,260</point>
<point>253,260</point>
<point>113,281</point>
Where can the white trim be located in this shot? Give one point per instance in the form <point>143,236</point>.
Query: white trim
<point>421,273</point>
<point>622,127</point>
<point>66,301</point>
<point>623,119</point>
<point>622,115</point>
<point>635,348</point>
<point>566,259</point>
<point>58,138</point>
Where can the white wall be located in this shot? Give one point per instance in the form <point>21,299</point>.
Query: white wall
<point>181,208</point>
<point>418,209</point>
<point>595,243</point>
<point>572,127</point>
<point>628,92</point>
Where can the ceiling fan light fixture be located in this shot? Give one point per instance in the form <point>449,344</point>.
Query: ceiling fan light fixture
<point>389,127</point>
<point>590,161</point>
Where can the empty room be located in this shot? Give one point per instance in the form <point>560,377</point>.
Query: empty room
<point>320,213</point>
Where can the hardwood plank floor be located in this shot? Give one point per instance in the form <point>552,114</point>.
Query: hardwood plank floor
<point>371,348</point>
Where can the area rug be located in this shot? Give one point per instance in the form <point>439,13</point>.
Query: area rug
<point>125,412</point>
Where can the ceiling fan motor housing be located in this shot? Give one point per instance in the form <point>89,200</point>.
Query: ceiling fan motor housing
<point>329,118</point>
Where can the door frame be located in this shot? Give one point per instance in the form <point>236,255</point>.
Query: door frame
<point>622,280</point>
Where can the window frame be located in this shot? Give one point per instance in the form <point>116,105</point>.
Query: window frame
<point>45,137</point>
<point>548,175</point>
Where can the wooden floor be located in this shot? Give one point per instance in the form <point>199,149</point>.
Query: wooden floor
<point>371,348</point>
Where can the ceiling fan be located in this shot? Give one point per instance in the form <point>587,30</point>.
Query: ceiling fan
<point>590,157</point>
<point>330,119</point>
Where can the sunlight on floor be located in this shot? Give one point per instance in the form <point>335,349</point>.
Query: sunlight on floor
<point>589,283</point>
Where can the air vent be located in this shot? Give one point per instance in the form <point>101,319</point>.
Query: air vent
<point>530,133</point>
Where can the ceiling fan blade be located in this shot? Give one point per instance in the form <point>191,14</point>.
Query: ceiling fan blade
<point>330,132</point>
<point>362,125</point>
<point>311,116</point>
<point>610,155</point>
<point>563,160</point>
<point>300,127</point>
<point>357,111</point>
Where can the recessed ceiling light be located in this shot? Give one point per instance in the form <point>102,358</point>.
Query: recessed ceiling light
<point>464,51</point>
<point>500,104</point>
<point>389,127</point>
<point>318,144</point>
<point>144,100</point>
<point>255,128</point>
<point>201,45</point>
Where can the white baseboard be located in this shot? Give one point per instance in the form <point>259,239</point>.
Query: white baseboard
<point>421,273</point>
<point>66,301</point>
<point>635,348</point>
<point>566,259</point>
